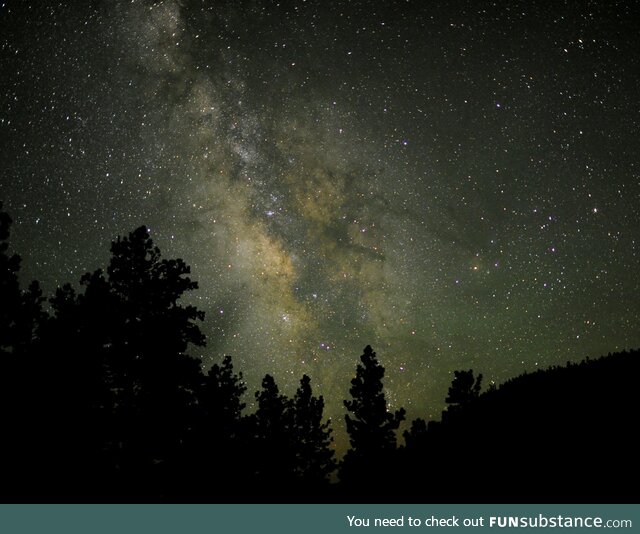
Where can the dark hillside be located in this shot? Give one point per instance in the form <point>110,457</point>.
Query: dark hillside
<point>563,434</point>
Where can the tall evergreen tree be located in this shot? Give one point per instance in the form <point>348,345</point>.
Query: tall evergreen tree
<point>274,459</point>
<point>290,452</point>
<point>9,287</point>
<point>463,391</point>
<point>80,401</point>
<point>217,446</point>
<point>220,399</point>
<point>371,426</point>
<point>151,374</point>
<point>21,318</point>
<point>418,459</point>
<point>416,436</point>
<point>314,459</point>
<point>123,363</point>
<point>20,310</point>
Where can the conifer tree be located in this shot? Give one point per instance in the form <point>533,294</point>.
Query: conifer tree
<point>21,318</point>
<point>274,457</point>
<point>216,446</point>
<point>124,369</point>
<point>370,425</point>
<point>463,391</point>
<point>314,458</point>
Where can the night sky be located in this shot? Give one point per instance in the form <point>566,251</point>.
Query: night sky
<point>455,183</point>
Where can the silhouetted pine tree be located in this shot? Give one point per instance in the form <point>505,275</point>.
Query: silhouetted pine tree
<point>10,295</point>
<point>220,399</point>
<point>75,397</point>
<point>312,438</point>
<point>416,436</point>
<point>122,385</point>
<point>217,446</point>
<point>463,391</point>
<point>371,427</point>
<point>273,455</point>
<point>20,311</point>
<point>21,318</point>
<point>150,373</point>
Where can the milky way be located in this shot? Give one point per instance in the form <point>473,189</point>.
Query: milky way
<point>454,183</point>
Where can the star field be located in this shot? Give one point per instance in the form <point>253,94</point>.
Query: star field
<point>456,184</point>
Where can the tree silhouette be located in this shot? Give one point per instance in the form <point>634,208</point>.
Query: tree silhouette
<point>20,311</point>
<point>371,426</point>
<point>151,375</point>
<point>216,447</point>
<point>313,457</point>
<point>274,458</point>
<point>416,436</point>
<point>74,399</point>
<point>463,391</point>
<point>417,456</point>
<point>21,318</point>
<point>123,379</point>
<point>10,297</point>
<point>220,398</point>
<point>290,452</point>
